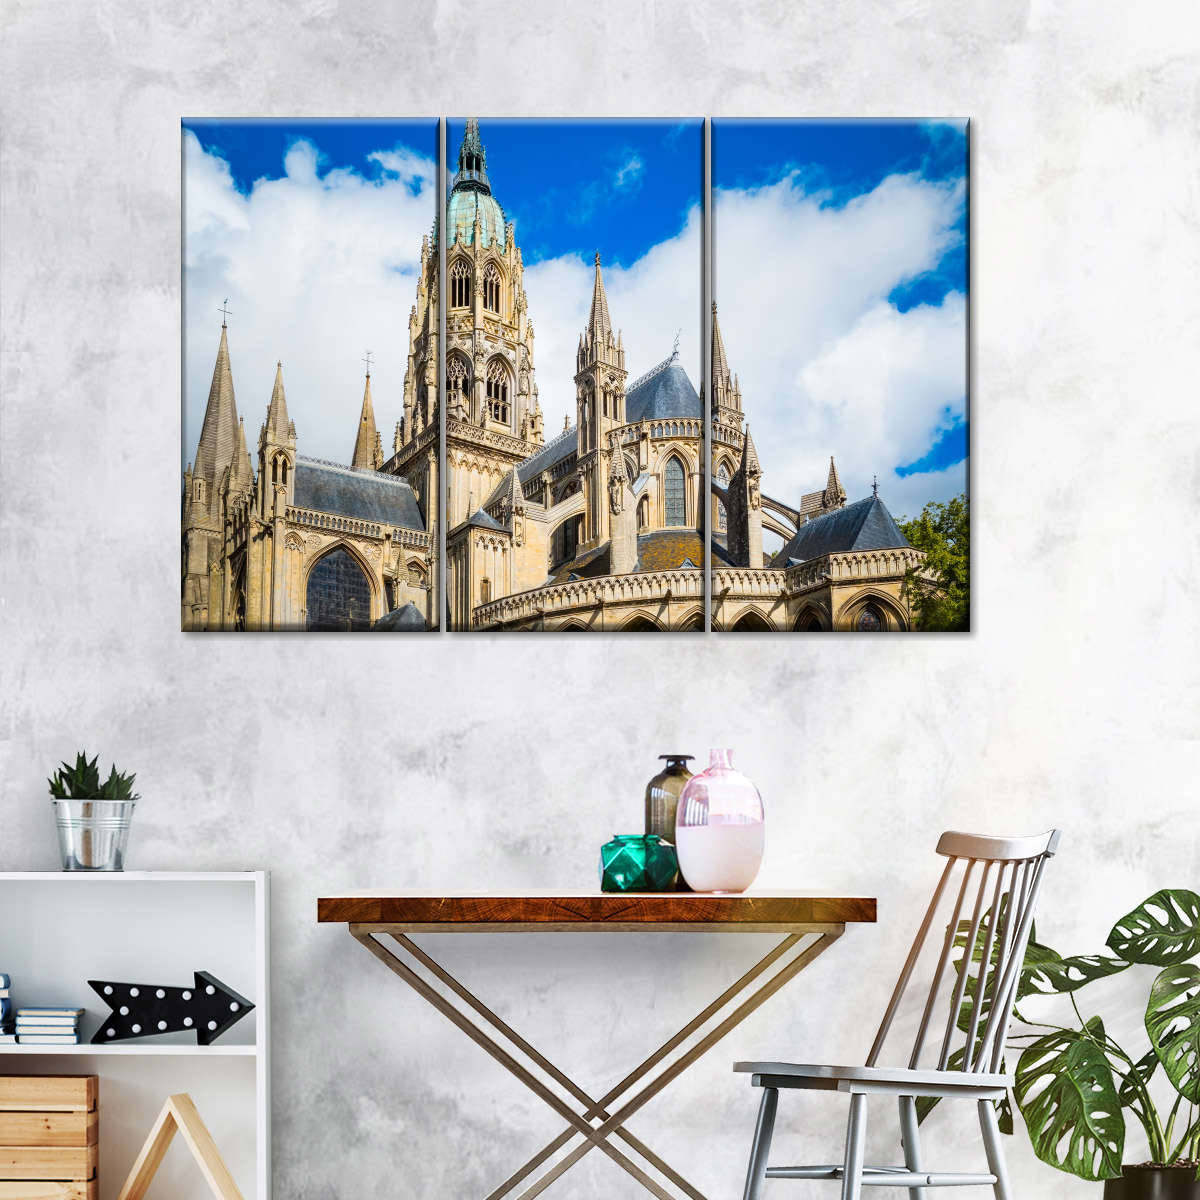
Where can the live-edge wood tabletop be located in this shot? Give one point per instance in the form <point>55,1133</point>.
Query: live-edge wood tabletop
<point>561,912</point>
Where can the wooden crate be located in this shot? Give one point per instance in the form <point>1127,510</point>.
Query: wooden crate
<point>49,1128</point>
<point>48,1190</point>
<point>49,1093</point>
<point>49,1137</point>
<point>64,1163</point>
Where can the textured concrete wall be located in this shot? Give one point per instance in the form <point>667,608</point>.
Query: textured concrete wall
<point>494,763</point>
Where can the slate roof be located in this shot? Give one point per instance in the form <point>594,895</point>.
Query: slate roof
<point>405,619</point>
<point>480,519</point>
<point>664,392</point>
<point>367,495</point>
<point>863,525</point>
<point>549,455</point>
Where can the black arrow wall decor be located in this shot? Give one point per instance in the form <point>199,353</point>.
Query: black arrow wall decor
<point>145,1009</point>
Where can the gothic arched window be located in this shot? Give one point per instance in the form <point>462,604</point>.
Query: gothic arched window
<point>722,515</point>
<point>870,620</point>
<point>497,393</point>
<point>674,492</point>
<point>491,289</point>
<point>338,594</point>
<point>644,513</point>
<point>460,285</point>
<point>456,382</point>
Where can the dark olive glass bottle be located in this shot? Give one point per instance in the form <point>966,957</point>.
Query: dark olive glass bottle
<point>662,795</point>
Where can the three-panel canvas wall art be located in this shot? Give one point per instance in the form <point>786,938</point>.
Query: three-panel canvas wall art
<point>575,376</point>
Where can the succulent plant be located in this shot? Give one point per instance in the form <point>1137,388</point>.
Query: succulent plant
<point>82,782</point>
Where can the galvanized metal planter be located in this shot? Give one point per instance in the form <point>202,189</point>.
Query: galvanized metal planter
<point>93,834</point>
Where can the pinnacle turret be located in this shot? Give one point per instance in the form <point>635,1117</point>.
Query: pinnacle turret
<point>834,495</point>
<point>750,457</point>
<point>278,427</point>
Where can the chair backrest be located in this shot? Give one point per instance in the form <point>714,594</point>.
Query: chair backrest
<point>987,933</point>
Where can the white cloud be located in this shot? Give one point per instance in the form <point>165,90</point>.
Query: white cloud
<point>629,172</point>
<point>318,268</point>
<point>826,364</point>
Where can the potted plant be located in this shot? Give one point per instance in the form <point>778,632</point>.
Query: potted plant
<point>92,814</point>
<point>1075,1085</point>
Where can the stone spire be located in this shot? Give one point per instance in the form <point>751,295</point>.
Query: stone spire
<point>720,364</point>
<point>834,495</point>
<point>727,398</point>
<point>218,434</point>
<point>279,425</point>
<point>599,327</point>
<point>368,449</point>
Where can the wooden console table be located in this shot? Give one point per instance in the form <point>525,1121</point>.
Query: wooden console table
<point>806,924</point>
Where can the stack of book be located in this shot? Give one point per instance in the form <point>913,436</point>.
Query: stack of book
<point>8,1032</point>
<point>48,1026</point>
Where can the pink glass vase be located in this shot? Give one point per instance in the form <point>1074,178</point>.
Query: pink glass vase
<point>719,828</point>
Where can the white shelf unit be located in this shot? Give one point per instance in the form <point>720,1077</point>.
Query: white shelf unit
<point>60,929</point>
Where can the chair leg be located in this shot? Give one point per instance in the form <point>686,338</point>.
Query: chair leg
<point>856,1137</point>
<point>994,1150</point>
<point>763,1131</point>
<point>911,1140</point>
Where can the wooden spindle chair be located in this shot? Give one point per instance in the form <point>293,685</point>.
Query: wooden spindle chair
<point>987,932</point>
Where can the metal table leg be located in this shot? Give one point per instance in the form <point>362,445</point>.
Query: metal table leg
<point>611,1124</point>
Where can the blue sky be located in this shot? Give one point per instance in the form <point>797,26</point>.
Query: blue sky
<point>862,352</point>
<point>574,187</point>
<point>255,149</point>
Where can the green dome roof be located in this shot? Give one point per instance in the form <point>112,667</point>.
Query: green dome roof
<point>460,217</point>
<point>471,195</point>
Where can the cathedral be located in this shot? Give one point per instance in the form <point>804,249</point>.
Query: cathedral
<point>600,528</point>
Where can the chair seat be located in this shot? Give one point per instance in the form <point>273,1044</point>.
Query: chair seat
<point>816,1075</point>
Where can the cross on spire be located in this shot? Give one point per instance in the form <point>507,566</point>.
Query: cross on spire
<point>224,311</point>
<point>367,360</point>
<point>875,486</point>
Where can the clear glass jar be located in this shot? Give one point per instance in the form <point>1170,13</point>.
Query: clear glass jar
<point>719,828</point>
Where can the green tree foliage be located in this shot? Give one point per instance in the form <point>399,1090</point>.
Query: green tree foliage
<point>940,592</point>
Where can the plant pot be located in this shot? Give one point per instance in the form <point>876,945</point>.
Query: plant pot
<point>1150,1182</point>
<point>92,834</point>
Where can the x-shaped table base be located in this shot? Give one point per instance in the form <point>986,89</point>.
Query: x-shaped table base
<point>600,1120</point>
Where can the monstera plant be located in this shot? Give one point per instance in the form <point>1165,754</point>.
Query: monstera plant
<point>1074,1084</point>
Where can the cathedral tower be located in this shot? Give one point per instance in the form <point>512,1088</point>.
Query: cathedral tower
<point>600,408</point>
<point>494,419</point>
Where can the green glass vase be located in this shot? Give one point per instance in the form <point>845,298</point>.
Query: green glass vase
<point>635,862</point>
